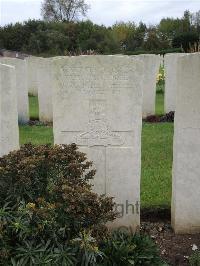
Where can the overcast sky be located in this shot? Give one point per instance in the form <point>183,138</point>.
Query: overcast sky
<point>104,12</point>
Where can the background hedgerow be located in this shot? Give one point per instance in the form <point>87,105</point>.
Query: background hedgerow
<point>43,38</point>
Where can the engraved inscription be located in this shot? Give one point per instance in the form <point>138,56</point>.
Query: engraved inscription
<point>99,132</point>
<point>87,81</point>
<point>119,78</point>
<point>83,80</point>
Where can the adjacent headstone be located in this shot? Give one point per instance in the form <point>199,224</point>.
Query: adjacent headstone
<point>21,86</point>
<point>97,104</point>
<point>45,87</point>
<point>151,70</point>
<point>9,132</point>
<point>170,62</point>
<point>186,168</point>
<point>32,68</point>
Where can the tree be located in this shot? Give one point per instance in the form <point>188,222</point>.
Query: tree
<point>123,31</point>
<point>186,21</point>
<point>185,40</point>
<point>169,27</point>
<point>64,10</point>
<point>154,40</point>
<point>136,39</point>
<point>195,20</point>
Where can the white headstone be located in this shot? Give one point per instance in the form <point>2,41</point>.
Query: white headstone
<point>45,87</point>
<point>98,105</point>
<point>170,62</point>
<point>186,168</point>
<point>21,86</point>
<point>151,70</point>
<point>32,67</point>
<point>9,132</point>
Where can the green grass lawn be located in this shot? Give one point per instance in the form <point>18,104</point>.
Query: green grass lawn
<point>156,164</point>
<point>156,154</point>
<point>36,135</point>
<point>159,104</point>
<point>33,107</point>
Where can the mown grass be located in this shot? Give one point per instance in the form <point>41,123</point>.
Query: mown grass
<point>156,164</point>
<point>160,104</point>
<point>36,135</point>
<point>33,108</point>
<point>156,154</point>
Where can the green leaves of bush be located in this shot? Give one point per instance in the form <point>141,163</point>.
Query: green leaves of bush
<point>194,260</point>
<point>46,197</point>
<point>126,250</point>
<point>49,214</point>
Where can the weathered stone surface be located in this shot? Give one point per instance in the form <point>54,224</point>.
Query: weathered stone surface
<point>9,132</point>
<point>21,86</point>
<point>151,69</point>
<point>97,104</point>
<point>32,68</point>
<point>170,62</point>
<point>45,87</point>
<point>186,168</point>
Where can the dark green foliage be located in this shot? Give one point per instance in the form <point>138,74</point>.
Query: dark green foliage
<point>46,201</point>
<point>50,216</point>
<point>154,40</point>
<point>161,52</point>
<point>194,260</point>
<point>57,38</point>
<point>65,38</point>
<point>185,40</point>
<point>16,36</point>
<point>126,250</point>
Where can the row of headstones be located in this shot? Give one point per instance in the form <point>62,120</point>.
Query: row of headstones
<point>97,103</point>
<point>35,76</point>
<point>32,77</point>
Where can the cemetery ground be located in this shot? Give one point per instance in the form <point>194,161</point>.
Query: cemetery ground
<point>157,151</point>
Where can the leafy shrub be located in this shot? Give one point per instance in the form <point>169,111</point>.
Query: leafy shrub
<point>46,201</point>
<point>54,42</point>
<point>50,216</point>
<point>169,117</point>
<point>126,250</point>
<point>152,119</point>
<point>194,260</point>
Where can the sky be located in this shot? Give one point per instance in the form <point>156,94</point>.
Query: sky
<point>105,12</point>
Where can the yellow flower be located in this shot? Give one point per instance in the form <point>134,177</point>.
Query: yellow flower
<point>30,205</point>
<point>95,249</point>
